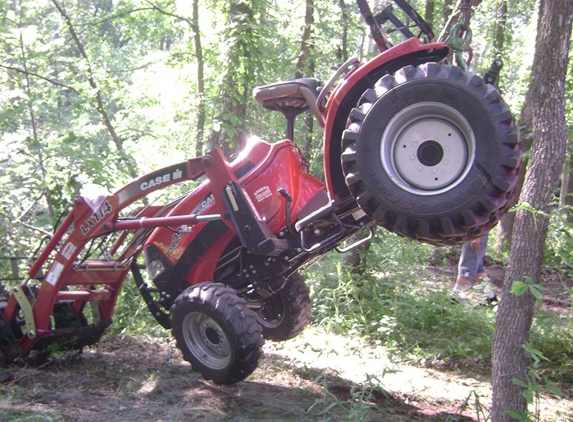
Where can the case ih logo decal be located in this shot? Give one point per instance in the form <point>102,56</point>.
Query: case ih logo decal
<point>152,181</point>
<point>96,217</point>
<point>204,203</point>
<point>161,179</point>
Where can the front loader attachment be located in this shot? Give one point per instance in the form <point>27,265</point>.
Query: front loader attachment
<point>69,298</point>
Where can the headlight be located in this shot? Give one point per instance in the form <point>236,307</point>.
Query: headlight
<point>154,269</point>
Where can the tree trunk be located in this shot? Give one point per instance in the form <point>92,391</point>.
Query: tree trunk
<point>429,12</point>
<point>515,313</point>
<point>568,200</point>
<point>33,123</point>
<point>305,67</point>
<point>447,10</point>
<point>200,66</point>
<point>499,30</point>
<point>306,40</point>
<point>505,231</point>
<point>564,188</point>
<point>200,130</point>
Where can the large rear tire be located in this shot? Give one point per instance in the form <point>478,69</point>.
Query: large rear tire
<point>216,332</point>
<point>432,153</point>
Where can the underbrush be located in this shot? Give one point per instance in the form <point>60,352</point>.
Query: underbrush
<point>397,302</point>
<point>131,315</point>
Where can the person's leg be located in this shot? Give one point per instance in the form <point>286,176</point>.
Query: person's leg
<point>467,267</point>
<point>481,275</point>
<point>480,269</point>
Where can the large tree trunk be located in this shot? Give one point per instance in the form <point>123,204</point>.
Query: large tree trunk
<point>515,313</point>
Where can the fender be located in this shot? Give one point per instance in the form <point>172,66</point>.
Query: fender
<point>347,94</point>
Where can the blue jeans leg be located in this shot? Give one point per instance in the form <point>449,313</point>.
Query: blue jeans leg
<point>471,260</point>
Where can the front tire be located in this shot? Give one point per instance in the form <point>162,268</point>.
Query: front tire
<point>216,332</point>
<point>432,153</point>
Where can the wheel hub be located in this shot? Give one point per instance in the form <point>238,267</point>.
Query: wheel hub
<point>207,340</point>
<point>212,336</point>
<point>430,153</point>
<point>427,148</point>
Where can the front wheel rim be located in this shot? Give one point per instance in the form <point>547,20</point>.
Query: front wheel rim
<point>207,340</point>
<point>427,148</point>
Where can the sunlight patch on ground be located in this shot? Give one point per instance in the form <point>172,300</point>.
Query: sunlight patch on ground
<point>355,360</point>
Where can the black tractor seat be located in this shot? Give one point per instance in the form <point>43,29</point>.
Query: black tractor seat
<point>291,97</point>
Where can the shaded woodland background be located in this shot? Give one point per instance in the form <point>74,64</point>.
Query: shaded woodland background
<point>104,91</point>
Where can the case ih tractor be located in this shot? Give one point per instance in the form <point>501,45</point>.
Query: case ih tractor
<point>421,147</point>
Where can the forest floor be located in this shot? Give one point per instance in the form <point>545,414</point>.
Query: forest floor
<point>315,377</point>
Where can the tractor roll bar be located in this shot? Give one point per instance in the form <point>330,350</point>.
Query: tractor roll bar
<point>371,21</point>
<point>375,22</point>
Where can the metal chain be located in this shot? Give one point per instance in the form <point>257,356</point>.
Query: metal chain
<point>459,37</point>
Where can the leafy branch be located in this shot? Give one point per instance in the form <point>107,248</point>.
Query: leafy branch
<point>36,75</point>
<point>101,109</point>
<point>519,288</point>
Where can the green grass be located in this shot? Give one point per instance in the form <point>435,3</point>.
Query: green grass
<point>398,303</point>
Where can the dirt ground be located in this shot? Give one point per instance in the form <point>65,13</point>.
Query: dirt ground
<point>133,379</point>
<point>315,377</point>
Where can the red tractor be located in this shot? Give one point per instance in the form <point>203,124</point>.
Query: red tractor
<point>420,147</point>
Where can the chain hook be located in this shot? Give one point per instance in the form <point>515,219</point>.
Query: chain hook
<point>461,35</point>
<point>460,40</point>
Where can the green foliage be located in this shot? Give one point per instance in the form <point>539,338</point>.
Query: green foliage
<point>359,406</point>
<point>535,385</point>
<point>519,288</point>
<point>391,305</point>
<point>141,60</point>
<point>551,337</point>
<point>559,250</point>
<point>131,315</point>
<point>517,44</point>
<point>399,304</point>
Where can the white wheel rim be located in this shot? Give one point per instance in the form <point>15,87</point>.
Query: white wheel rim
<point>428,148</point>
<point>206,340</point>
